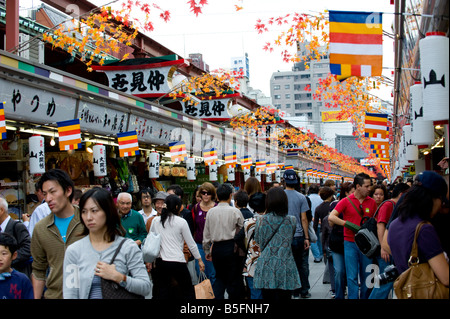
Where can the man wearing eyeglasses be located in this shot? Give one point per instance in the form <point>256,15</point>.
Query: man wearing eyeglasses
<point>131,220</point>
<point>355,262</point>
<point>147,210</point>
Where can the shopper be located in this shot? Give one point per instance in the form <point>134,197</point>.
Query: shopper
<point>298,207</point>
<point>131,220</point>
<point>53,234</point>
<point>171,265</point>
<point>86,262</point>
<point>276,272</point>
<point>353,208</point>
<point>147,210</point>
<point>222,223</point>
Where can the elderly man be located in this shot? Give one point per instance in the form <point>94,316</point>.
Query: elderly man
<point>132,221</point>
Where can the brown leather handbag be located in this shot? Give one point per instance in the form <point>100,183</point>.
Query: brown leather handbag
<point>419,280</point>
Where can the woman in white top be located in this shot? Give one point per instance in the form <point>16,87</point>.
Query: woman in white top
<point>171,264</point>
<point>86,262</point>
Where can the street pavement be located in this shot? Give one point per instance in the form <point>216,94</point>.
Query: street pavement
<point>318,290</point>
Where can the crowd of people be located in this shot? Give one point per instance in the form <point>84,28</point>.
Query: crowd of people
<point>250,243</point>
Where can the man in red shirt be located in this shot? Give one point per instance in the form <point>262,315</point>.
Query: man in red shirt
<point>356,264</point>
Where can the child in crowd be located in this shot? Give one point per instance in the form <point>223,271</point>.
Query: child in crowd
<point>13,284</point>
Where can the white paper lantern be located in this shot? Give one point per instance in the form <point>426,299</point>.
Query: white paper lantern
<point>412,151</point>
<point>422,132</point>
<point>230,174</point>
<point>153,165</point>
<point>99,160</point>
<point>434,67</point>
<point>190,168</point>
<point>278,176</point>
<point>37,154</point>
<point>247,173</point>
<point>213,172</point>
<point>258,175</point>
<point>268,177</point>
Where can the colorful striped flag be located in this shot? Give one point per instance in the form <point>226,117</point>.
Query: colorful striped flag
<point>246,161</point>
<point>210,156</point>
<point>356,43</point>
<point>69,133</point>
<point>260,165</point>
<point>230,159</point>
<point>128,143</point>
<point>291,153</point>
<point>178,151</point>
<point>286,167</point>
<point>376,125</point>
<point>271,167</point>
<point>2,122</point>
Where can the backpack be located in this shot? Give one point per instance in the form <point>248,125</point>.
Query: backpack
<point>366,237</point>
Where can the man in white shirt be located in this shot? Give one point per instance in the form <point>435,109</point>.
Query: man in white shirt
<point>39,212</point>
<point>221,225</point>
<point>147,210</point>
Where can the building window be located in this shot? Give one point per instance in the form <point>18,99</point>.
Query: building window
<point>287,96</point>
<point>288,106</point>
<point>287,86</point>
<point>277,97</point>
<point>276,87</point>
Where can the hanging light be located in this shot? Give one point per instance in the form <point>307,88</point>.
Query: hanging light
<point>52,141</point>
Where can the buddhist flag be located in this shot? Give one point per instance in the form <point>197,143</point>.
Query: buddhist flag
<point>260,165</point>
<point>356,47</point>
<point>376,125</point>
<point>246,161</point>
<point>286,167</point>
<point>271,167</point>
<point>291,153</point>
<point>128,143</point>
<point>69,133</point>
<point>178,151</point>
<point>2,122</point>
<point>210,156</point>
<point>230,159</point>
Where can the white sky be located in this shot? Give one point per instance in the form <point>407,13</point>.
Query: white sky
<point>221,32</point>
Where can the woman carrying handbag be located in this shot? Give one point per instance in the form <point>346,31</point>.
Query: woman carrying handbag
<point>276,273</point>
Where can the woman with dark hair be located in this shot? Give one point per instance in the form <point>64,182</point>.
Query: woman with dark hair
<point>171,264</point>
<point>86,261</point>
<point>420,204</point>
<point>379,193</point>
<point>276,272</point>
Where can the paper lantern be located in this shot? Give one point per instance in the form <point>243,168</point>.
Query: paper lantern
<point>213,172</point>
<point>258,175</point>
<point>230,174</point>
<point>37,154</point>
<point>278,176</point>
<point>99,160</point>
<point>412,151</point>
<point>247,173</point>
<point>190,167</point>
<point>268,177</point>
<point>434,67</point>
<point>422,131</point>
<point>153,165</point>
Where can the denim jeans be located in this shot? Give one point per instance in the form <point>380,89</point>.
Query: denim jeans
<point>254,293</point>
<point>316,248</point>
<point>356,266</point>
<point>340,277</point>
<point>301,260</point>
<point>210,272</point>
<point>382,292</point>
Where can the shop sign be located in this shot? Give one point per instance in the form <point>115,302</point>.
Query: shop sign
<point>212,110</point>
<point>35,105</point>
<point>101,120</point>
<point>151,131</point>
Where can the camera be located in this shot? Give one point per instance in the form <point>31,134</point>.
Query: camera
<point>389,275</point>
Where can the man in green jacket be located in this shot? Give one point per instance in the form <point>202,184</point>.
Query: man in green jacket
<point>53,234</point>
<point>132,221</point>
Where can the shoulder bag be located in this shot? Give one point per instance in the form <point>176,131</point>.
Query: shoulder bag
<point>112,290</point>
<point>366,237</point>
<point>419,280</point>
<point>152,246</point>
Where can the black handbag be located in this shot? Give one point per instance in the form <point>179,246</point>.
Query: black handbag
<point>112,290</point>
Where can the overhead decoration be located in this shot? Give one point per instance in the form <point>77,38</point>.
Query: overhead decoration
<point>412,151</point>
<point>230,159</point>
<point>422,131</point>
<point>213,172</point>
<point>356,44</point>
<point>69,133</point>
<point>99,160</point>
<point>128,144</point>
<point>178,151</point>
<point>2,122</point>
<point>153,165</point>
<point>36,147</point>
<point>190,168</point>
<point>210,156</point>
<point>434,67</point>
